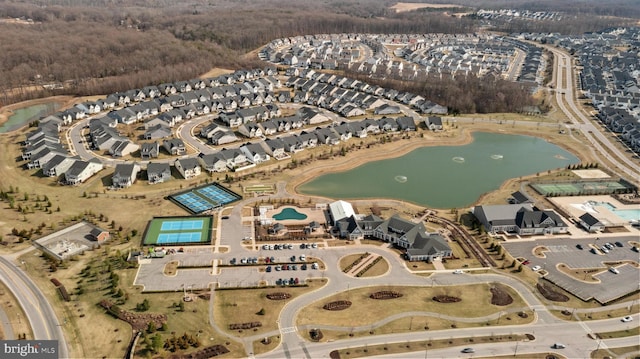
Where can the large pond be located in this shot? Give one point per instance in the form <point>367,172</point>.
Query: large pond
<point>24,115</point>
<point>445,176</point>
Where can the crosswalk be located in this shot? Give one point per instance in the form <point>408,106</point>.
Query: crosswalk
<point>288,330</point>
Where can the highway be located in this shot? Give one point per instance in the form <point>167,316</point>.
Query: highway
<point>39,313</point>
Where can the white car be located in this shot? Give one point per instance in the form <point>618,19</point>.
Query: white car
<point>536,268</point>
<point>627,319</point>
<point>614,270</point>
<point>458,271</point>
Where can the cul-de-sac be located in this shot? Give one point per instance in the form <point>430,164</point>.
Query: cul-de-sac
<point>303,179</point>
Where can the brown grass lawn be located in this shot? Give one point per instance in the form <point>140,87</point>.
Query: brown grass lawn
<point>15,314</point>
<point>583,274</point>
<point>241,306</point>
<point>259,347</point>
<point>620,352</point>
<point>476,302</point>
<point>419,323</point>
<point>406,347</point>
<point>378,269</point>
<point>350,259</point>
<point>620,333</point>
<point>607,314</point>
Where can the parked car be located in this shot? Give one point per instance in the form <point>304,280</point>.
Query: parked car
<point>224,217</point>
<point>303,258</point>
<point>579,246</point>
<point>536,268</point>
<point>558,346</point>
<point>303,267</point>
<point>619,244</point>
<point>635,249</point>
<point>458,271</point>
<point>268,269</point>
<point>526,262</point>
<point>614,270</point>
<point>314,245</point>
<point>468,350</point>
<point>314,266</point>
<point>627,319</point>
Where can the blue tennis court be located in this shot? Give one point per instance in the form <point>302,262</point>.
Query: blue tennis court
<point>182,237</point>
<point>182,225</point>
<point>217,195</point>
<point>193,202</point>
<point>205,198</point>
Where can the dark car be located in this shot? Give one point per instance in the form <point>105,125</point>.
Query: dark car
<point>225,217</point>
<point>579,246</point>
<point>468,350</point>
<point>619,244</point>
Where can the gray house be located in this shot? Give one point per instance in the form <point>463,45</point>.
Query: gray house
<point>125,175</point>
<point>158,172</point>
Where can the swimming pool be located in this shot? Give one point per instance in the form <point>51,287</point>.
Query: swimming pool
<point>626,214</point>
<point>289,213</point>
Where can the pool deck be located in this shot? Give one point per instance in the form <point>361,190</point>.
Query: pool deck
<point>571,205</point>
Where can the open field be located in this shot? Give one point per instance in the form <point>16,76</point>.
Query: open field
<point>621,352</point>
<point>15,314</point>
<point>620,333</point>
<point>242,305</point>
<point>475,302</point>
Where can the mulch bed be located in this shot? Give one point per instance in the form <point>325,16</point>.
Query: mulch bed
<point>551,294</point>
<point>205,353</point>
<point>249,325</point>
<point>499,296</point>
<point>337,305</point>
<point>446,299</point>
<point>385,294</point>
<point>316,334</point>
<point>278,296</point>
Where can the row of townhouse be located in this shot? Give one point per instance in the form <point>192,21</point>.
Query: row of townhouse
<point>104,137</point>
<point>350,97</point>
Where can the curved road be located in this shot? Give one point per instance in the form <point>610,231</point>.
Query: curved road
<point>39,312</point>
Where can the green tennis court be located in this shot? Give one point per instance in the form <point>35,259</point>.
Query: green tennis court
<point>581,188</point>
<point>177,231</point>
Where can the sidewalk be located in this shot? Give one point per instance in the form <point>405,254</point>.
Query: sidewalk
<point>356,269</point>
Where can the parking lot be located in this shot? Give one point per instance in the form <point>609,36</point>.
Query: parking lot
<point>565,250</point>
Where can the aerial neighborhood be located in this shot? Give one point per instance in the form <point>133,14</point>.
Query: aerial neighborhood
<point>322,201</point>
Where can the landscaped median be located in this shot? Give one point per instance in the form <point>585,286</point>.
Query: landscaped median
<point>424,345</point>
<point>414,308</point>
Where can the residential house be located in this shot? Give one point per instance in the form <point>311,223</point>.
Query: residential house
<point>222,137</point>
<point>250,130</point>
<point>160,130</point>
<point>406,123</point>
<point>275,147</point>
<point>121,148</point>
<point>125,175</point>
<point>158,172</point>
<point>213,162</point>
<point>175,146</point>
<point>255,153</point>
<point>81,170</point>
<point>187,167</point>
<point>149,150</point>
<point>57,166</point>
<point>434,123</point>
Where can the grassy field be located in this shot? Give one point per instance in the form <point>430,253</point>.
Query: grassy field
<point>243,306</point>
<point>15,314</point>
<point>623,352</point>
<point>423,324</point>
<point>475,302</point>
<point>613,313</point>
<point>620,333</point>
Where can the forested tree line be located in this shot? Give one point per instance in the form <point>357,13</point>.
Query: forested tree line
<point>105,46</point>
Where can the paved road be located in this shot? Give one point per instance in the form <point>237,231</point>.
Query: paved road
<point>39,312</point>
<point>565,99</point>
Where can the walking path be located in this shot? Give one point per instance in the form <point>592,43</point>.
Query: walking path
<point>360,266</point>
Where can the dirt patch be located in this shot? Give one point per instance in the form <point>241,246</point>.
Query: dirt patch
<point>549,293</point>
<point>170,268</point>
<point>446,299</point>
<point>499,296</point>
<point>618,229</point>
<point>337,305</point>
